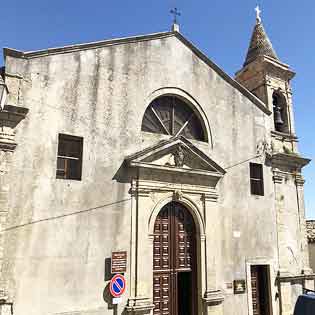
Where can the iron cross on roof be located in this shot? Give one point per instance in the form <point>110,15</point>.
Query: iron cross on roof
<point>176,13</point>
<point>258,12</point>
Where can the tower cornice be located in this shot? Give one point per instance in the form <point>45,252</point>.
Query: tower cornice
<point>268,66</point>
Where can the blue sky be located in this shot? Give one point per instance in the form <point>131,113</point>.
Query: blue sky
<point>221,29</point>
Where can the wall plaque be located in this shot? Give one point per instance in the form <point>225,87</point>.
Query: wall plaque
<point>119,262</point>
<point>239,286</point>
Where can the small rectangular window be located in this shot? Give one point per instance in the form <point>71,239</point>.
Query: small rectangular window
<point>69,159</point>
<point>256,179</point>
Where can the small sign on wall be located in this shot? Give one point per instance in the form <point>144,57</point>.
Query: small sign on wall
<point>239,286</point>
<point>119,262</point>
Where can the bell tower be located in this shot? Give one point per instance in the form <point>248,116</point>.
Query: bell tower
<point>268,78</point>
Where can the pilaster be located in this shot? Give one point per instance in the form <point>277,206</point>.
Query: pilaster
<point>140,300</point>
<point>10,116</point>
<point>213,296</point>
<point>285,290</point>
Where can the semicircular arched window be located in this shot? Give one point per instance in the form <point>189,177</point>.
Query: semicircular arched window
<point>170,115</point>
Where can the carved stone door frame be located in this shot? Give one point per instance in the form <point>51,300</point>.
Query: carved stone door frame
<point>156,182</point>
<point>145,210</point>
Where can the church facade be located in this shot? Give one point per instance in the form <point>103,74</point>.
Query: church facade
<point>144,146</point>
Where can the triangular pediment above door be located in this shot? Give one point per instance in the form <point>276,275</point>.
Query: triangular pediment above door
<point>176,155</point>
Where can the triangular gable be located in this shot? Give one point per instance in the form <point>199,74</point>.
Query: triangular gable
<point>117,41</point>
<point>176,155</point>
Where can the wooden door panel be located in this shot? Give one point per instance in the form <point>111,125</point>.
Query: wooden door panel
<point>173,252</point>
<point>161,293</point>
<point>255,290</point>
<point>185,233</point>
<point>161,241</point>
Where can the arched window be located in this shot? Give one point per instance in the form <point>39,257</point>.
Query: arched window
<point>280,113</point>
<point>170,115</point>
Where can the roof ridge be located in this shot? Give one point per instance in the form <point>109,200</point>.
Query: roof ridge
<point>82,46</point>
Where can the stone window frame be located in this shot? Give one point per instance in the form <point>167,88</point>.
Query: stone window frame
<point>177,107</point>
<point>191,101</point>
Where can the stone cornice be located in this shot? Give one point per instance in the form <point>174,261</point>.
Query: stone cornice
<point>292,160</point>
<point>13,113</point>
<point>80,47</point>
<point>284,136</point>
<point>143,188</point>
<point>278,68</point>
<point>290,278</point>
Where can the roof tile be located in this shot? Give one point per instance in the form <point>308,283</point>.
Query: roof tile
<point>260,45</point>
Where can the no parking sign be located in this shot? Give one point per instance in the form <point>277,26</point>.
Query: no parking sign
<point>117,285</point>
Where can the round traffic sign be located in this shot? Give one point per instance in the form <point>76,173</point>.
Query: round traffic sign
<point>117,285</point>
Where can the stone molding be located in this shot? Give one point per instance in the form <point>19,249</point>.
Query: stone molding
<point>213,197</point>
<point>144,188</point>
<point>289,161</point>
<point>290,278</point>
<point>176,91</point>
<point>299,181</point>
<point>278,177</point>
<point>139,305</point>
<point>214,297</point>
<point>189,160</point>
<point>284,136</point>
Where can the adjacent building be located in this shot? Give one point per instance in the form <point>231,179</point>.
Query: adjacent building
<point>310,227</point>
<point>145,147</point>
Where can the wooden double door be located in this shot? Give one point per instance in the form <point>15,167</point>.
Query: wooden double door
<point>174,262</point>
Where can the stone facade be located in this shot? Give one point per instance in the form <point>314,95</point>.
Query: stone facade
<point>57,234</point>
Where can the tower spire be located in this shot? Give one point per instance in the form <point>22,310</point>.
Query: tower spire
<point>260,44</point>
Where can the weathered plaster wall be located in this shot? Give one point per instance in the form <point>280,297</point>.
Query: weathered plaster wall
<point>62,230</point>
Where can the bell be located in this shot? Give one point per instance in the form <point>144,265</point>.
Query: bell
<point>278,117</point>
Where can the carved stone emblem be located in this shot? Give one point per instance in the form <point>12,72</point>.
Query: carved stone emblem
<point>179,156</point>
<point>178,195</point>
<point>264,148</point>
